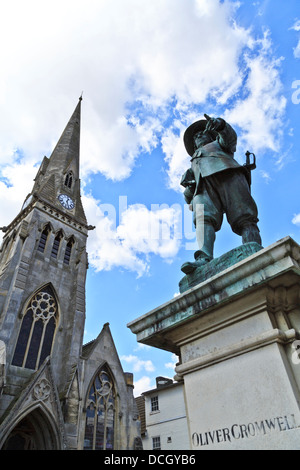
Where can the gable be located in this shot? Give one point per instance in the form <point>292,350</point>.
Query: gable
<point>103,351</point>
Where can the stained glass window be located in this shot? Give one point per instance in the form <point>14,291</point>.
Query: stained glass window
<point>100,413</point>
<point>37,330</point>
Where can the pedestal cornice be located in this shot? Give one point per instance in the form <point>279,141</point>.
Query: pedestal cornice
<point>263,268</point>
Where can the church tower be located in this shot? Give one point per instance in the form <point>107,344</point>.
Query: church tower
<point>43,264</point>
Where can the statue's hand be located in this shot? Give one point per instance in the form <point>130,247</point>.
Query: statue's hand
<point>213,124</point>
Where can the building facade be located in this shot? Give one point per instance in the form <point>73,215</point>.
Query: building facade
<point>55,392</point>
<point>163,417</point>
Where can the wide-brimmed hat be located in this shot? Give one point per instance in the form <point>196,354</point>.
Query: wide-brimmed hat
<point>188,137</point>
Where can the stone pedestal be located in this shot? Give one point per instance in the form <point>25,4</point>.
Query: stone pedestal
<point>237,335</point>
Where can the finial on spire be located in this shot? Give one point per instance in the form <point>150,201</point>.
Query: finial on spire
<point>80,98</point>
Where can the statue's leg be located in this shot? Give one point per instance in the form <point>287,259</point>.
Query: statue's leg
<point>204,255</point>
<point>207,219</point>
<point>207,250</point>
<point>250,233</point>
<point>241,209</point>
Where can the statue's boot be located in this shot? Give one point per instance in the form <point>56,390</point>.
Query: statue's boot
<point>250,233</point>
<point>204,255</point>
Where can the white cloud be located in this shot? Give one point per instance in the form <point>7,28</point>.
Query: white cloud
<point>175,156</point>
<point>138,364</point>
<point>296,219</point>
<point>265,175</point>
<point>172,363</point>
<point>18,182</point>
<point>297,50</point>
<point>147,70</point>
<point>144,55</point>
<point>255,106</point>
<point>296,27</point>
<point>141,346</point>
<point>140,233</point>
<point>259,114</point>
<point>142,385</point>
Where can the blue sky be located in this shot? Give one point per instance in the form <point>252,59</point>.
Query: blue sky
<point>147,71</point>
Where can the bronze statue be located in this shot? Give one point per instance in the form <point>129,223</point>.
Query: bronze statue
<point>219,183</point>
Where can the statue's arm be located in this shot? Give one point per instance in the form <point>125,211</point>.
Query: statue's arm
<point>227,137</point>
<point>188,195</point>
<point>189,183</point>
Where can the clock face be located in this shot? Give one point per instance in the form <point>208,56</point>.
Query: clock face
<point>27,201</point>
<point>66,201</point>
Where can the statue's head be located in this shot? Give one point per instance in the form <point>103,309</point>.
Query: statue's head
<point>202,138</point>
<point>196,136</point>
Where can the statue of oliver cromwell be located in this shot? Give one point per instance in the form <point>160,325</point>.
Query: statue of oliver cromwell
<point>219,183</point>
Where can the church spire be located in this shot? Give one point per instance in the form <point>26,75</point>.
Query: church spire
<point>67,151</point>
<point>58,176</point>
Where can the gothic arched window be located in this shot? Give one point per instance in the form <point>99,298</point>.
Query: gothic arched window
<point>100,413</point>
<point>56,244</point>
<point>68,251</point>
<point>37,330</point>
<point>69,179</point>
<point>6,250</point>
<point>43,239</point>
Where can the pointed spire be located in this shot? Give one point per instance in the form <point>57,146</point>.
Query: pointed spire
<point>60,173</point>
<point>67,149</point>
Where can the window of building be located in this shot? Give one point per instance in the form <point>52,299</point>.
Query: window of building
<point>68,251</point>
<point>43,239</point>
<point>154,403</point>
<point>69,179</point>
<point>37,330</point>
<point>56,244</point>
<point>6,250</point>
<point>156,443</point>
<point>100,413</point>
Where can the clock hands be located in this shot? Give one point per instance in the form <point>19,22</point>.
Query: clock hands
<point>66,201</point>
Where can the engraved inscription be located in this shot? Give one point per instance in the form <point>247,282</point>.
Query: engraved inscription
<point>245,431</point>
